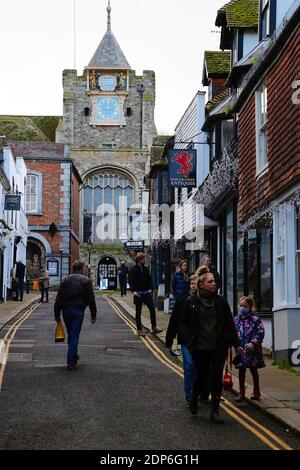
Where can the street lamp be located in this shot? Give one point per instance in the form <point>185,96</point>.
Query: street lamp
<point>141,90</point>
<point>90,246</point>
<point>61,266</point>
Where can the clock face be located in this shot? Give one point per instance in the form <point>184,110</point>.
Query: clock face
<point>107,109</point>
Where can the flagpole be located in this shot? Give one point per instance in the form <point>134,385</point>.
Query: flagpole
<point>75,14</point>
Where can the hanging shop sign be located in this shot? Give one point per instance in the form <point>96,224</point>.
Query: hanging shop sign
<point>135,245</point>
<point>12,202</point>
<point>182,168</point>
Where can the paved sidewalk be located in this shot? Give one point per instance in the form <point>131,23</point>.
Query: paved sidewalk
<point>12,308</point>
<point>281,388</point>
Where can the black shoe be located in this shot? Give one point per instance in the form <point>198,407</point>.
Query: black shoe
<point>204,397</point>
<point>214,415</point>
<point>215,418</point>
<point>193,404</point>
<point>72,367</point>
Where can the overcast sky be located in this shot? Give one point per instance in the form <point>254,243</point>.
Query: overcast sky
<point>167,36</point>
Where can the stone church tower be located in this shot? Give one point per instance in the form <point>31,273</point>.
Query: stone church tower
<point>108,126</point>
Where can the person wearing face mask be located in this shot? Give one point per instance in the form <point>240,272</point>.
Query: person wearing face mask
<point>251,332</point>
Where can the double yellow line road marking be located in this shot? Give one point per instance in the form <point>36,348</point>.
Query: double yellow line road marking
<point>262,433</point>
<point>10,336</point>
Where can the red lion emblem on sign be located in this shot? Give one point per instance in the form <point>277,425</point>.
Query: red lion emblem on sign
<point>184,160</point>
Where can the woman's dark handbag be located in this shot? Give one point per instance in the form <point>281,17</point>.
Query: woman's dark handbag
<point>227,380</point>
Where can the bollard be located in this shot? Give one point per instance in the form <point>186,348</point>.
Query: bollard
<point>27,286</point>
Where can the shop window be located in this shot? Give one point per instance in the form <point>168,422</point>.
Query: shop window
<point>229,258</point>
<point>298,253</point>
<point>253,266</point>
<point>240,265</point>
<point>280,225</point>
<point>266,289</point>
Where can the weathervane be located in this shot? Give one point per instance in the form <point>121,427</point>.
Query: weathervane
<point>108,16</point>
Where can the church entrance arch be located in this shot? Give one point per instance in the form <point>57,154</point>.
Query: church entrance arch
<point>35,257</point>
<point>107,273</point>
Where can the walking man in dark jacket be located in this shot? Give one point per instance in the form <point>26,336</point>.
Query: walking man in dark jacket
<point>18,275</point>
<point>141,286</point>
<point>74,295</point>
<point>123,276</point>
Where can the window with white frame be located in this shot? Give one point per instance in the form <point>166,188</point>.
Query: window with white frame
<point>261,129</point>
<point>280,224</point>
<point>33,193</point>
<point>265,18</point>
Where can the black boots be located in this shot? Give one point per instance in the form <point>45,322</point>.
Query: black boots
<point>193,403</point>
<point>214,414</point>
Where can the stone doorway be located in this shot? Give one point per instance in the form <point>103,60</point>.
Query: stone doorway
<point>35,258</point>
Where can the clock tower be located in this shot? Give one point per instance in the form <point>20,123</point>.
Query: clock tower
<point>107,81</point>
<point>108,128</point>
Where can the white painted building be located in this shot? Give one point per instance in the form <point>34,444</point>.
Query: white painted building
<point>188,135</point>
<point>13,224</point>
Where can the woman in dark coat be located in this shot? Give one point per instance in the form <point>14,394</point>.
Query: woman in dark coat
<point>210,330</point>
<point>181,283</point>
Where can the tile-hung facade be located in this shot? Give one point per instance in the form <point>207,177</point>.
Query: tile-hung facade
<point>108,125</point>
<point>268,108</point>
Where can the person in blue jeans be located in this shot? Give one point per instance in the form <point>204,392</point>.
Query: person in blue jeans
<point>174,330</point>
<point>74,295</point>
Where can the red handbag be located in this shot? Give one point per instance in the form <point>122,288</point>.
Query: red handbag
<point>227,380</point>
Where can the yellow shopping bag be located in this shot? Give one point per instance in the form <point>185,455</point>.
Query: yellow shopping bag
<point>59,332</point>
<point>35,284</point>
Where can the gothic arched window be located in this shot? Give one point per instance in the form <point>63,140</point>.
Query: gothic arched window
<point>107,196</point>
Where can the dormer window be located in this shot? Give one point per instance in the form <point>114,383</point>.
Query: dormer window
<point>267,18</point>
<point>210,90</point>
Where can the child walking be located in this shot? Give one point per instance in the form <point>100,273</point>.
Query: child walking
<point>251,332</point>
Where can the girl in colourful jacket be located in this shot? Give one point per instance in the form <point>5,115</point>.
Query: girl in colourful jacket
<point>251,333</point>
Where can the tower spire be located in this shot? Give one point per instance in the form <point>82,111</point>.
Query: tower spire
<point>108,16</point>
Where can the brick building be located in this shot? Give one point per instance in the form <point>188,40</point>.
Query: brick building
<point>269,171</point>
<point>52,194</point>
<point>259,231</point>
